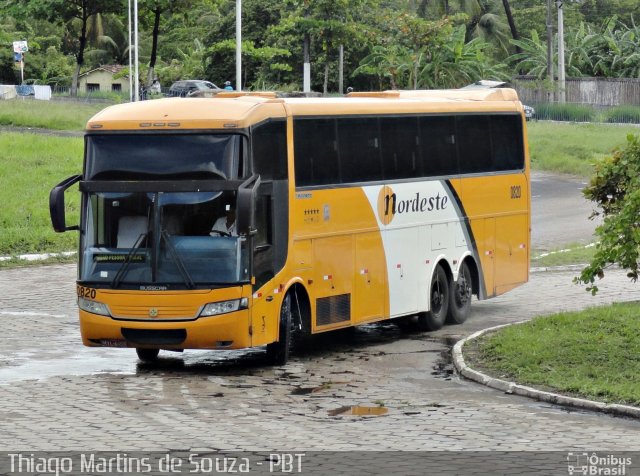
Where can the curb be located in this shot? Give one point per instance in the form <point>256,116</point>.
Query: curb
<point>550,269</point>
<point>38,256</point>
<point>524,391</point>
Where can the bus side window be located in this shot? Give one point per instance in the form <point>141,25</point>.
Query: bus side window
<point>399,137</point>
<point>437,142</point>
<point>506,139</point>
<point>359,149</point>
<point>269,149</point>
<point>473,134</point>
<point>316,153</point>
<point>263,253</point>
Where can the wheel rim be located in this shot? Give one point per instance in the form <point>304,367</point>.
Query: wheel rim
<point>463,289</point>
<point>437,296</point>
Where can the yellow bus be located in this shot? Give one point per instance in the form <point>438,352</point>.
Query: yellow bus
<point>247,220</point>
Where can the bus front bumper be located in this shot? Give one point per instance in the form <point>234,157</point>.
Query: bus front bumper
<point>226,331</point>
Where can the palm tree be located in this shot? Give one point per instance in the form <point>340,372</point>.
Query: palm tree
<point>109,40</point>
<point>532,59</point>
<point>512,24</point>
<point>459,62</point>
<point>385,62</point>
<point>485,18</point>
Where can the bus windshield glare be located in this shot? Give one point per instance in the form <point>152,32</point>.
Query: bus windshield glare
<point>171,240</point>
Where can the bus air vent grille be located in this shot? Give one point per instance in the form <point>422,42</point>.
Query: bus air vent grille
<point>333,309</point>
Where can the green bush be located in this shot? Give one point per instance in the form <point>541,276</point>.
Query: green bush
<point>615,190</point>
<point>622,115</point>
<point>565,112</point>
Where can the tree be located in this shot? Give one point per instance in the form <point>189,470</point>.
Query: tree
<point>153,12</point>
<point>532,59</point>
<point>325,25</point>
<point>74,15</point>
<point>615,189</point>
<point>511,21</point>
<point>458,63</point>
<point>111,45</point>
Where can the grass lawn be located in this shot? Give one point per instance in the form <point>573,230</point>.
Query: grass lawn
<point>594,353</point>
<point>569,148</point>
<point>30,165</point>
<point>573,253</point>
<point>47,114</point>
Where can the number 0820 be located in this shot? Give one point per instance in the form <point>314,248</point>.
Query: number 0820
<point>86,292</point>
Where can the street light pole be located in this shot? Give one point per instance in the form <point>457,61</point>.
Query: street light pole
<point>136,81</point>
<point>238,45</point>
<point>130,62</point>
<point>561,78</point>
<point>550,49</point>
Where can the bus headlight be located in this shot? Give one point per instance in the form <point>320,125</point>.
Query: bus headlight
<point>223,307</point>
<point>94,307</point>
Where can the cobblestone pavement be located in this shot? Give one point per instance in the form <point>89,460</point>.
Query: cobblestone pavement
<point>58,395</point>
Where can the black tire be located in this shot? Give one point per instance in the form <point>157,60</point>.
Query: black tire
<point>278,352</point>
<point>460,294</point>
<point>439,302</point>
<point>148,355</point>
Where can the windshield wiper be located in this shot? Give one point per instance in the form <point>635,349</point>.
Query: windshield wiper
<point>177,260</point>
<point>125,266</point>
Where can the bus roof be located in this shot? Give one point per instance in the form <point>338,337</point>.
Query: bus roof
<point>238,110</point>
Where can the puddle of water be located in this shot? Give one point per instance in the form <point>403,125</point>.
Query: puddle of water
<point>306,390</point>
<point>319,388</point>
<point>359,411</point>
<point>84,361</point>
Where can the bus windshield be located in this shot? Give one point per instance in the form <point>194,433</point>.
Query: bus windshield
<point>139,156</point>
<point>172,240</point>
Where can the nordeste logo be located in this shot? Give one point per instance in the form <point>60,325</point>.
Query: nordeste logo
<point>390,204</point>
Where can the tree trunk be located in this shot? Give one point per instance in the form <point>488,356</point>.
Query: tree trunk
<point>81,47</point>
<point>74,81</point>
<point>512,24</point>
<point>154,46</point>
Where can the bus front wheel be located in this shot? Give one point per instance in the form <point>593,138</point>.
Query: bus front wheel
<point>438,302</point>
<point>278,352</point>
<point>460,296</point>
<point>148,355</point>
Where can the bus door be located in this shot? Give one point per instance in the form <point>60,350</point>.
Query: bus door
<point>511,257</point>
<point>370,283</point>
<point>485,235</point>
<point>333,272</point>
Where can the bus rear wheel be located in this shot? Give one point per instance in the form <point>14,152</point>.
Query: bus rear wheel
<point>460,296</point>
<point>438,300</point>
<point>278,352</point>
<point>148,355</point>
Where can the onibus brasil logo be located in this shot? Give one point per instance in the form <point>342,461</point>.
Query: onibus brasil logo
<point>595,464</point>
<point>391,204</point>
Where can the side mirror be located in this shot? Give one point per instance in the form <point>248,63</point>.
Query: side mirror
<point>245,211</point>
<point>56,204</point>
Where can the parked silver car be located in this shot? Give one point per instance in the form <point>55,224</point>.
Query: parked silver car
<point>191,87</point>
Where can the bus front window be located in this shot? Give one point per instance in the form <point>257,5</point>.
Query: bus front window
<point>164,239</point>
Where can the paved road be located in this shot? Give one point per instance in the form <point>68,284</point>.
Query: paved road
<point>559,212</point>
<point>58,395</point>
